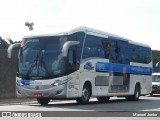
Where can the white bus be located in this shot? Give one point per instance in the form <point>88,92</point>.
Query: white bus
<point>80,64</point>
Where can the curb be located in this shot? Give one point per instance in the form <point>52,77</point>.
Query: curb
<point>16,101</point>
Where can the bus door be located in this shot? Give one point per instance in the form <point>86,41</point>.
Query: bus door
<point>95,55</point>
<point>119,63</point>
<point>73,72</point>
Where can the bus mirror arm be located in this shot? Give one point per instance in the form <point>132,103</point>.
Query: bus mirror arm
<point>157,66</point>
<point>9,51</point>
<point>67,45</point>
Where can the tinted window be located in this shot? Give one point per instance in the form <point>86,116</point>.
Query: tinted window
<point>41,57</point>
<point>79,36</point>
<point>96,47</point>
<point>140,54</point>
<point>118,51</point>
<point>123,52</point>
<point>156,78</point>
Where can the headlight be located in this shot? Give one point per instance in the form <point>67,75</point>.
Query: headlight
<point>58,82</point>
<point>19,83</point>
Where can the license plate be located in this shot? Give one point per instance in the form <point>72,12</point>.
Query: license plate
<point>37,95</point>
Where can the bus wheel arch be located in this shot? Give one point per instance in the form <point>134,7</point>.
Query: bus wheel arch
<point>137,91</point>
<point>86,93</point>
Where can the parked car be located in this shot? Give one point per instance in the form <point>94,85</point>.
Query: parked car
<point>155,83</point>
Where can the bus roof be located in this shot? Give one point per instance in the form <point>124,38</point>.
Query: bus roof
<point>68,31</point>
<point>155,73</point>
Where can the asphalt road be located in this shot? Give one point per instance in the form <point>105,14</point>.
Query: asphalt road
<point>117,108</point>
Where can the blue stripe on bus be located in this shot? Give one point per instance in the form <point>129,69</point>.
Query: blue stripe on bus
<point>25,81</point>
<point>114,67</point>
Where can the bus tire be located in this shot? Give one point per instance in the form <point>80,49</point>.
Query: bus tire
<point>86,94</point>
<point>151,94</point>
<point>136,95</point>
<point>103,99</point>
<point>43,101</point>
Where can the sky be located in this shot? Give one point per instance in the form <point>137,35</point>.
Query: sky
<point>137,20</point>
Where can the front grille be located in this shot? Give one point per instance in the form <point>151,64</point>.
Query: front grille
<point>41,87</point>
<point>155,86</point>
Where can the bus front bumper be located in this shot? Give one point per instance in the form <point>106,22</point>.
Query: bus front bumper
<point>42,91</point>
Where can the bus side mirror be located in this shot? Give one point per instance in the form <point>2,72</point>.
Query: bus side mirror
<point>67,45</point>
<point>9,51</point>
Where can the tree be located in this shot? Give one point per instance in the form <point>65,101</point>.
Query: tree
<point>10,41</point>
<point>3,44</point>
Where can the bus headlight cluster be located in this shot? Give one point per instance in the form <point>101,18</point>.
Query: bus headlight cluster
<point>19,83</point>
<point>58,82</point>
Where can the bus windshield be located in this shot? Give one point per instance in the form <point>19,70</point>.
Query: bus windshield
<point>41,57</point>
<point>156,78</point>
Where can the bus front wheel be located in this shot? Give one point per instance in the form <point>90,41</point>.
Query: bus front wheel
<point>43,101</point>
<point>86,93</point>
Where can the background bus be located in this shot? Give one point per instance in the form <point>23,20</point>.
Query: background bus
<point>80,64</point>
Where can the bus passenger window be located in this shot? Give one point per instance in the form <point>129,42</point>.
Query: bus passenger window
<point>95,47</point>
<point>105,44</point>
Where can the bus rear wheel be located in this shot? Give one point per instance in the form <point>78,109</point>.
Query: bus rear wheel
<point>151,94</point>
<point>43,101</point>
<point>103,99</point>
<point>136,95</point>
<point>86,93</point>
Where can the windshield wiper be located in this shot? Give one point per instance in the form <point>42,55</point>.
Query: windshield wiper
<point>42,63</point>
<point>35,63</point>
